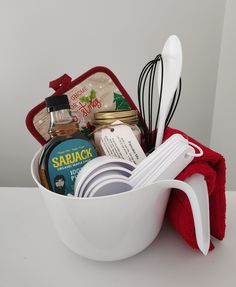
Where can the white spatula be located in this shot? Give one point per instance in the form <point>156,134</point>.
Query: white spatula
<point>172,66</point>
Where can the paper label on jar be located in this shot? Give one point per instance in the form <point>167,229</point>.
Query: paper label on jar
<point>120,141</point>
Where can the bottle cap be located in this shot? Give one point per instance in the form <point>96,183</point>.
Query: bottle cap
<point>56,103</point>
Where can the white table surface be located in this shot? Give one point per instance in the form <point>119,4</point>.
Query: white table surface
<point>31,253</point>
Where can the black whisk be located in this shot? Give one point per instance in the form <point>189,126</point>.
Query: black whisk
<point>148,74</point>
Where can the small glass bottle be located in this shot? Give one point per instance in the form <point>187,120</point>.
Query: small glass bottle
<point>105,119</point>
<point>67,150</point>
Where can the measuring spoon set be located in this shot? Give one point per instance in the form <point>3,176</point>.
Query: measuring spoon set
<point>106,175</point>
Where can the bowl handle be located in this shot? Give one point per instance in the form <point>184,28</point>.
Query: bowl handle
<point>196,190</point>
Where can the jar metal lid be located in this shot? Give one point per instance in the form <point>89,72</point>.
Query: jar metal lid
<point>108,117</point>
<point>115,114</point>
<point>110,121</point>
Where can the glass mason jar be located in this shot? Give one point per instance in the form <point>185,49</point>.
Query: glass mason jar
<point>104,120</point>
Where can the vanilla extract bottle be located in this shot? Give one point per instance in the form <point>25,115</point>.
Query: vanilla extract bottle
<point>66,152</point>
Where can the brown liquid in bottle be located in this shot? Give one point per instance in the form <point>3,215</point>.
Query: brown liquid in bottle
<point>63,128</point>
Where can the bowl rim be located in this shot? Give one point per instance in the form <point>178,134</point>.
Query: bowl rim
<point>105,197</point>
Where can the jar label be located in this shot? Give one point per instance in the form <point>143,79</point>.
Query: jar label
<point>120,141</point>
<point>65,162</point>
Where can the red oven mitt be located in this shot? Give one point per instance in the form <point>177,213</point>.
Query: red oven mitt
<point>212,166</point>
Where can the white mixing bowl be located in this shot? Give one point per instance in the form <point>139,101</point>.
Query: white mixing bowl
<point>111,227</point>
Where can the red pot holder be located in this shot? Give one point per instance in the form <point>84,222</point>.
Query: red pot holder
<point>96,90</point>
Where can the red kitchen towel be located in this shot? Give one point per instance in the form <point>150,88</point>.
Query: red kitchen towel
<point>212,166</point>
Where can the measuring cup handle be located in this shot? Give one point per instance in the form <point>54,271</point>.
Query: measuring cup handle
<point>200,210</point>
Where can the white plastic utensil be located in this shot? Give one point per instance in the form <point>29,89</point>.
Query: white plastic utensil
<point>98,164</point>
<point>100,161</point>
<point>160,152</point>
<point>155,166</point>
<point>142,177</point>
<point>101,177</point>
<point>176,161</point>
<point>102,181</point>
<point>92,173</point>
<point>147,172</point>
<point>173,164</point>
<point>170,168</point>
<point>198,183</point>
<point>172,66</point>
<point>100,173</point>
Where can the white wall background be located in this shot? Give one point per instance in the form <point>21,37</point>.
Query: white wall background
<point>41,40</point>
<point>223,137</point>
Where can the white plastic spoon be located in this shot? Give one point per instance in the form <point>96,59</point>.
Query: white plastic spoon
<point>172,66</point>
